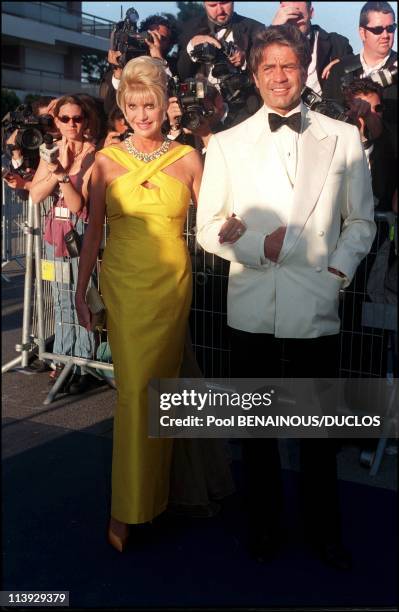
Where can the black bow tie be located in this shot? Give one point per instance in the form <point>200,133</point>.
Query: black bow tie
<point>293,122</point>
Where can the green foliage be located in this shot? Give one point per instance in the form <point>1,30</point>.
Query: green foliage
<point>94,65</point>
<point>29,98</point>
<point>9,101</point>
<point>188,10</point>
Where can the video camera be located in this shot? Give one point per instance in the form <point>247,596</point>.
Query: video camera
<point>384,77</point>
<point>233,82</point>
<point>330,108</point>
<point>30,134</point>
<point>191,95</point>
<point>126,38</point>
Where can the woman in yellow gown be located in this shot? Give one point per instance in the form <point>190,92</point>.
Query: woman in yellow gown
<point>144,186</point>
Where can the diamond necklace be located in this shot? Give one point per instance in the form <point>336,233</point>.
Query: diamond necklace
<point>147,157</point>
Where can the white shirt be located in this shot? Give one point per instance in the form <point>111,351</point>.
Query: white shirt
<point>367,70</point>
<point>312,80</point>
<point>287,141</point>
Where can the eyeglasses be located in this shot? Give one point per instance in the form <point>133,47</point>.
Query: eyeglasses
<point>76,119</point>
<point>379,108</point>
<point>378,30</point>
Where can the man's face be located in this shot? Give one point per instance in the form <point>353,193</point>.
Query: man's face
<point>165,35</point>
<point>220,12</point>
<point>374,119</point>
<point>377,45</point>
<point>280,78</point>
<point>303,20</point>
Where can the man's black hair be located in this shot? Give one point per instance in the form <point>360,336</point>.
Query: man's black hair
<point>361,86</point>
<point>288,35</point>
<point>154,21</point>
<point>375,7</point>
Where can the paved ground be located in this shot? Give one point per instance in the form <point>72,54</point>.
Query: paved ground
<point>56,468</point>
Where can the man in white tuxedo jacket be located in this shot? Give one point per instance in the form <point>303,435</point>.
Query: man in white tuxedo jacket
<point>296,189</point>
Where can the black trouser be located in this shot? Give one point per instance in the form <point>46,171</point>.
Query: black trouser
<point>264,356</point>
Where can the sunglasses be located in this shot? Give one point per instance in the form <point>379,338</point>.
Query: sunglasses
<point>380,29</point>
<point>66,119</point>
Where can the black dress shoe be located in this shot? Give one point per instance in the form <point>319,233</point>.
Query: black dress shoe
<point>335,555</point>
<point>263,548</point>
<point>81,383</point>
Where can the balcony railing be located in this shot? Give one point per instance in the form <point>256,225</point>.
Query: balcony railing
<point>46,12</point>
<point>44,81</point>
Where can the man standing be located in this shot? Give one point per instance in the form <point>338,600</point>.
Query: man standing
<point>377,31</point>
<point>296,190</point>
<point>325,46</point>
<point>222,25</point>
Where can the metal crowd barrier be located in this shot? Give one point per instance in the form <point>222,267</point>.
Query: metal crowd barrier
<point>13,227</point>
<point>368,343</point>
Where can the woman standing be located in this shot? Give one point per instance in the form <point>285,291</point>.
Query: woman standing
<point>68,178</point>
<point>144,185</point>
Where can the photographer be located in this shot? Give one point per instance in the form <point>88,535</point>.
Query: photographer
<point>325,46</point>
<point>364,100</point>
<point>22,167</point>
<point>376,60</point>
<point>162,36</point>
<point>208,121</point>
<point>232,35</point>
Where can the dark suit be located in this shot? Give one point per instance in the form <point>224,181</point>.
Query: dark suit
<point>390,93</point>
<point>330,46</point>
<point>244,31</point>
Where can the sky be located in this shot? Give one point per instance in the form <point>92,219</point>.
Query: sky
<point>341,17</point>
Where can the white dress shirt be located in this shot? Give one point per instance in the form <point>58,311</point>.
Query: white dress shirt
<point>312,80</point>
<point>367,70</point>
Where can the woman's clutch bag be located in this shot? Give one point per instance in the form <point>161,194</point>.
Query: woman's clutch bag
<point>97,309</point>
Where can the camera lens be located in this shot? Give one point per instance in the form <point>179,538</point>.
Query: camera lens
<point>190,120</point>
<point>30,138</point>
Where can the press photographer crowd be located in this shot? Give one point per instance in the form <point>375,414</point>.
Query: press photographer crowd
<point>285,142</point>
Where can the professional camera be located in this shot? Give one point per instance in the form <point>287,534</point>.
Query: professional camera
<point>31,130</point>
<point>384,77</point>
<point>126,39</point>
<point>330,108</point>
<point>233,82</point>
<point>191,95</point>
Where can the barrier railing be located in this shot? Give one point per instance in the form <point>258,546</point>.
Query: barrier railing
<point>368,344</point>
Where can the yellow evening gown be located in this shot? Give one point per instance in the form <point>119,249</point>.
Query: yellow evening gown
<point>146,285</point>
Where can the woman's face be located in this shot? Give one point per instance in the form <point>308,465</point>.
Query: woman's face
<point>144,116</point>
<point>71,121</point>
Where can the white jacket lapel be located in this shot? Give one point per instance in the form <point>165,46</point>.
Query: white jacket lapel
<point>314,160</point>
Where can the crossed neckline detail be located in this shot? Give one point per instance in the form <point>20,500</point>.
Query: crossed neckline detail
<point>156,188</point>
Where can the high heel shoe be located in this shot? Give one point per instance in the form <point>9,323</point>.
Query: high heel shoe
<point>119,542</point>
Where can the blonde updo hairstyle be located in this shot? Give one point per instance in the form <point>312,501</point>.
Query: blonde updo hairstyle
<point>143,78</point>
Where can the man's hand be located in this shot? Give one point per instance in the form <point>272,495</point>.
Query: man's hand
<point>174,113</point>
<point>113,57</point>
<point>154,44</point>
<point>200,39</point>
<point>274,242</point>
<point>112,138</point>
<point>326,71</point>
<point>287,13</point>
<point>232,230</point>
<point>237,58</point>
<point>15,181</point>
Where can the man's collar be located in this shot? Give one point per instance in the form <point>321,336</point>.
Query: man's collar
<point>297,109</point>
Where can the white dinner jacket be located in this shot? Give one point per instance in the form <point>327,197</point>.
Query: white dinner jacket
<point>331,222</point>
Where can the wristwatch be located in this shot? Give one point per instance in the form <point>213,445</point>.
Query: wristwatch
<point>65,179</point>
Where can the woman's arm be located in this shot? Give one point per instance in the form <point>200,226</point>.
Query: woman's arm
<point>92,239</point>
<point>43,183</point>
<point>196,167</point>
